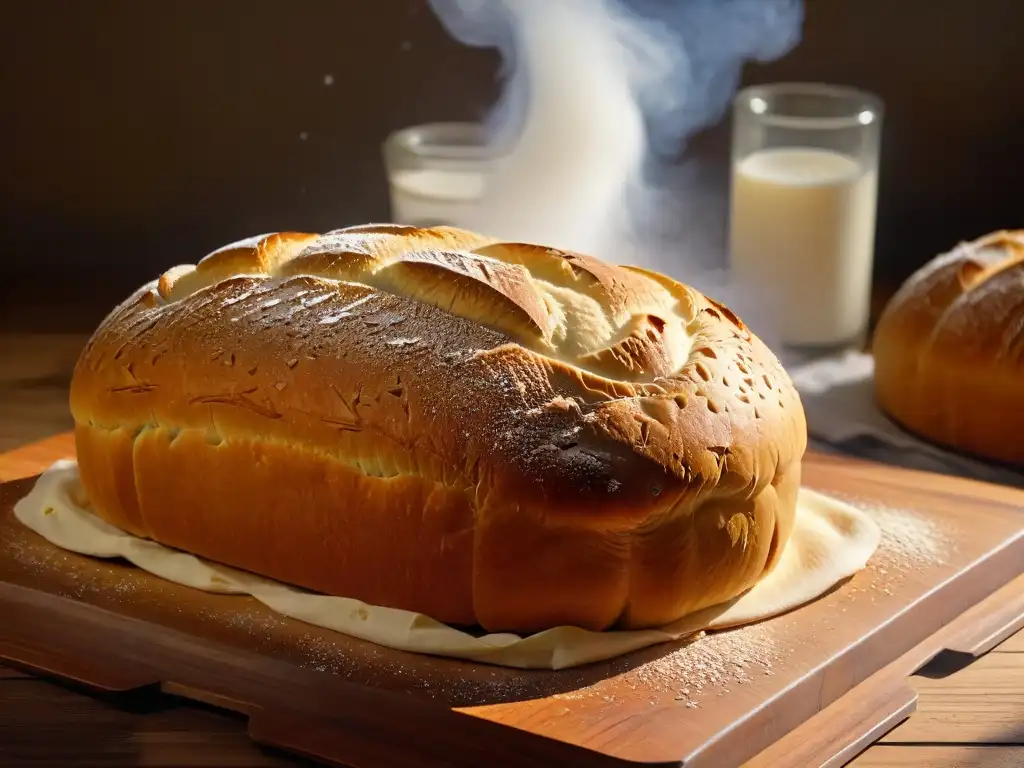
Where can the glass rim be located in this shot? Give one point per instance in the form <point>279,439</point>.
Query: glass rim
<point>467,141</point>
<point>867,109</point>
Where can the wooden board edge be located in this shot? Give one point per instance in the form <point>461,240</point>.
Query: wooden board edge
<point>999,621</point>
<point>339,722</point>
<point>899,705</point>
<point>848,726</point>
<point>325,743</point>
<point>97,678</point>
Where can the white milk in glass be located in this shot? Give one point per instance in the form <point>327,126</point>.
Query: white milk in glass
<point>432,197</point>
<point>803,227</point>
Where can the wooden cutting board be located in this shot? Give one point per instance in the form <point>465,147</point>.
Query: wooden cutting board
<point>717,701</point>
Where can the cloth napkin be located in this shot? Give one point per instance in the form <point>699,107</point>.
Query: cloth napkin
<point>842,417</point>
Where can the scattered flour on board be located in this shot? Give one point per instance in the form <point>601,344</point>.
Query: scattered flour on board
<point>712,662</point>
<point>709,664</point>
<point>910,540</point>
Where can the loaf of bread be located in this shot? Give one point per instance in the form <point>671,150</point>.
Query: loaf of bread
<point>949,350</point>
<point>489,433</point>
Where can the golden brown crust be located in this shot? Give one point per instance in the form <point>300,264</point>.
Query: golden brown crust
<point>949,349</point>
<point>488,433</point>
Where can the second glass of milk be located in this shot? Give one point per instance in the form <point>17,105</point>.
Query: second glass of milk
<point>436,172</point>
<point>804,191</point>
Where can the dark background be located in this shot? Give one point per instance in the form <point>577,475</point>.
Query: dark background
<point>137,134</point>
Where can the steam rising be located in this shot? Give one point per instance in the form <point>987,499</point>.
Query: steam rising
<point>599,98</point>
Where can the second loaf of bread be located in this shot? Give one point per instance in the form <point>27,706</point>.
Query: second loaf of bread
<point>949,349</point>
<point>488,433</point>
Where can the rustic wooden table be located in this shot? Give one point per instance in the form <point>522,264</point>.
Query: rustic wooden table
<point>971,717</point>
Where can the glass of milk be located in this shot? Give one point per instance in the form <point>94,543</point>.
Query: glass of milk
<point>436,172</point>
<point>802,225</point>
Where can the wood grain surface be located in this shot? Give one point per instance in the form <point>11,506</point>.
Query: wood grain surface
<point>979,704</point>
<point>922,756</point>
<point>35,373</point>
<point>1014,644</point>
<point>991,688</point>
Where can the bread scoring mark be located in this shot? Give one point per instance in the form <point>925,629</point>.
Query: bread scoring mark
<point>239,400</point>
<point>717,309</point>
<point>509,305</point>
<point>352,407</point>
<point>341,424</point>
<point>584,316</point>
<point>137,387</point>
<point>987,288</point>
<point>133,389</point>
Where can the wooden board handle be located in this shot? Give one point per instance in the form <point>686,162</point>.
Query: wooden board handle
<point>999,617</point>
<point>87,673</point>
<point>862,716</point>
